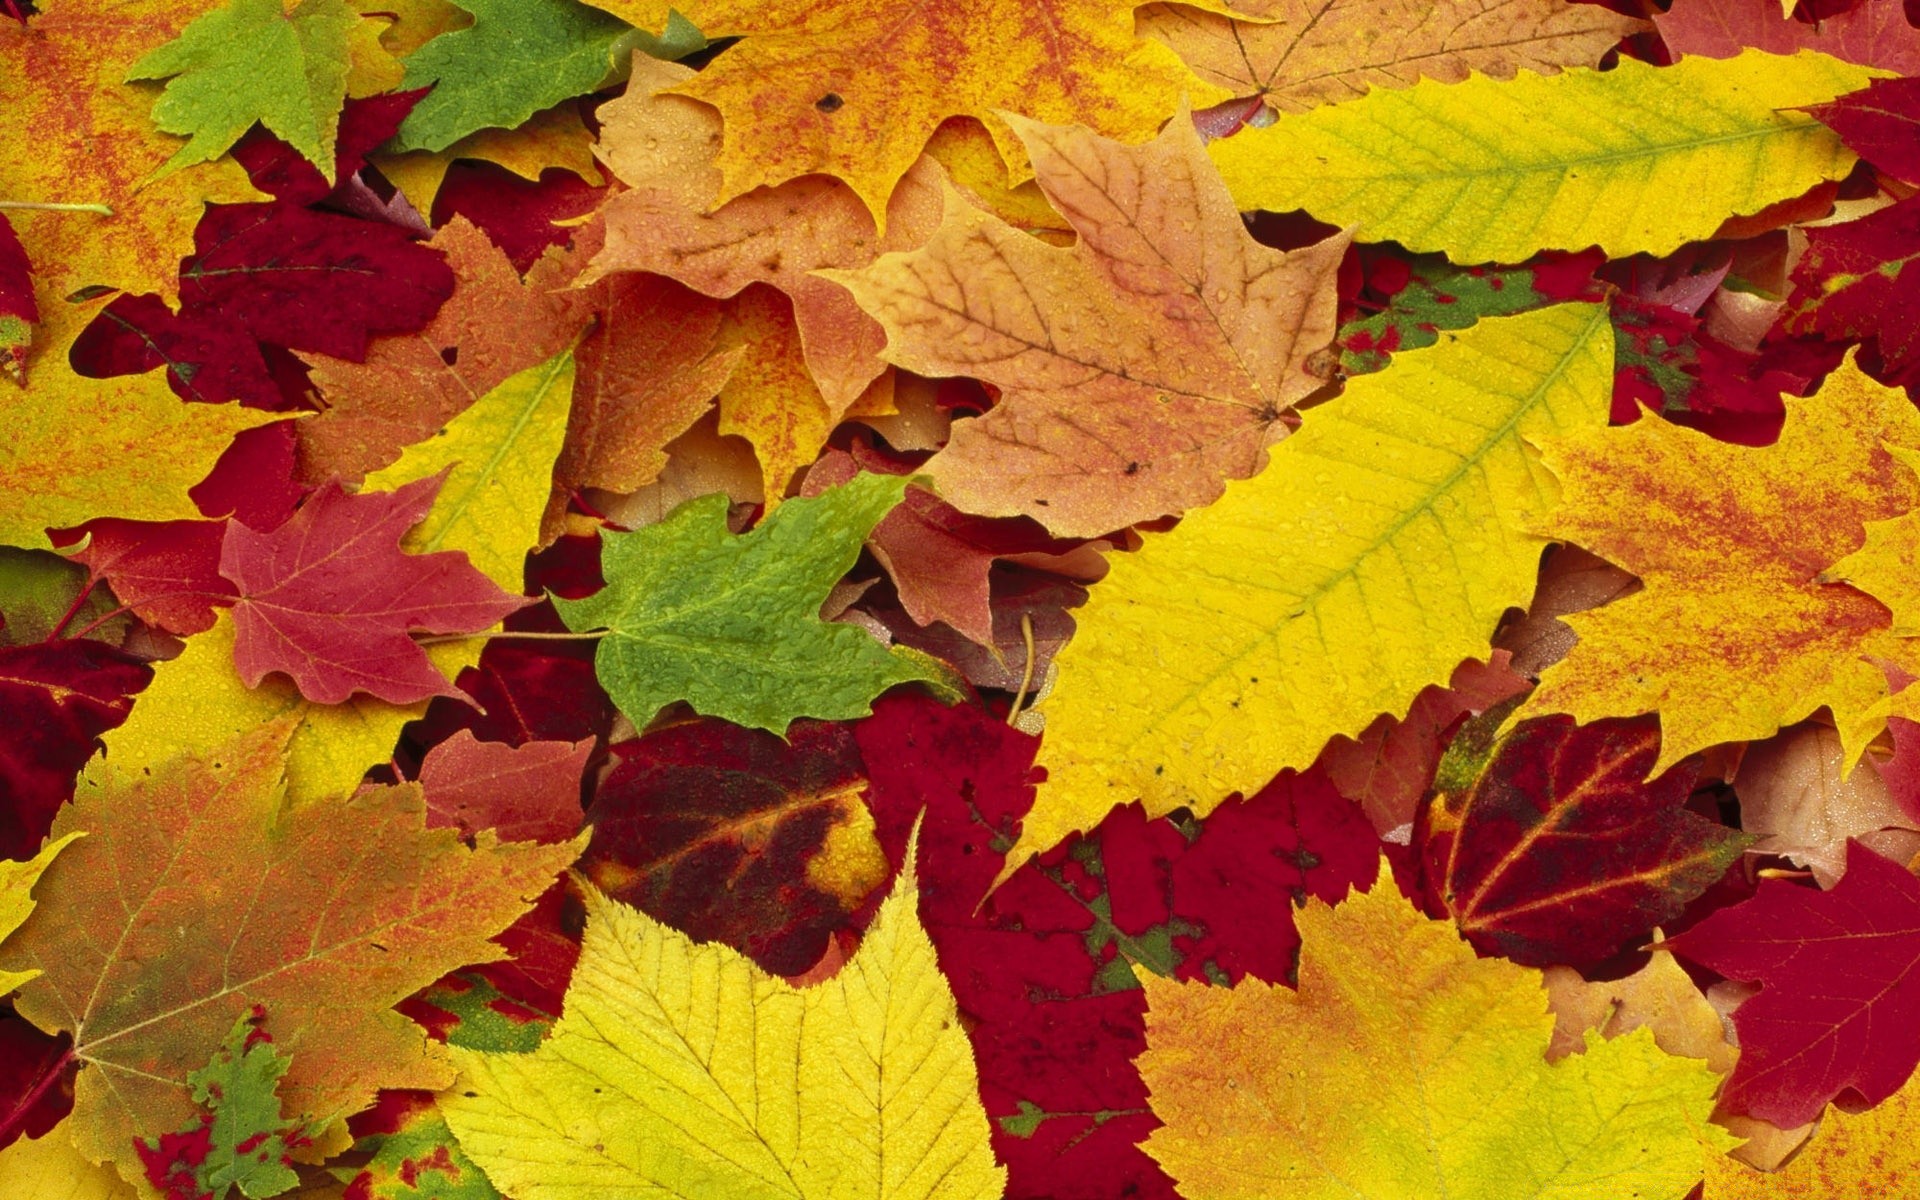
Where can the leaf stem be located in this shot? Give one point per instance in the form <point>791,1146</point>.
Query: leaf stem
<point>510,633</point>
<point>39,206</point>
<point>124,609</point>
<point>73,610</point>
<point>1026,676</point>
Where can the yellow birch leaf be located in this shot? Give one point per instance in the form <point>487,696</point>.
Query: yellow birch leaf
<point>732,1082</point>
<point>1379,549</point>
<point>1274,1094</point>
<point>81,448</point>
<point>1737,631</point>
<point>855,88</point>
<point>16,900</point>
<point>1639,158</point>
<point>52,1168</point>
<point>1305,53</point>
<point>501,451</point>
<point>1873,1153</point>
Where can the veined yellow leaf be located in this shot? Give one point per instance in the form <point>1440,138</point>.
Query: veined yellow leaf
<point>681,1069</point>
<point>1639,158</point>
<point>1377,551</point>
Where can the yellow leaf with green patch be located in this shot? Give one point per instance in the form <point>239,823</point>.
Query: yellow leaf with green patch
<point>1378,549</point>
<point>732,1082</point>
<point>1407,1066</point>
<point>1636,159</point>
<point>1740,629</point>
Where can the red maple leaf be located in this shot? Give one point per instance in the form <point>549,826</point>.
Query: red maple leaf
<point>57,698</point>
<point>1857,281</point>
<point>1880,123</point>
<point>1839,1005</point>
<point>329,598</point>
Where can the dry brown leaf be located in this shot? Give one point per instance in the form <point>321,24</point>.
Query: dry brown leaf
<point>1792,794</point>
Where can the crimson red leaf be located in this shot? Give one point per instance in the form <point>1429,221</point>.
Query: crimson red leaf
<point>721,832</point>
<point>1560,853</point>
<point>207,360</point>
<point>528,793</point>
<point>524,693</point>
<point>1857,281</point>
<point>1045,967</point>
<point>168,572</point>
<point>518,214</point>
<point>284,173</point>
<point>1839,1003</point>
<point>310,280</point>
<point>36,1079</point>
<point>58,697</point>
<point>253,480</point>
<point>328,598</point>
<point>1881,124</point>
<point>17,308</point>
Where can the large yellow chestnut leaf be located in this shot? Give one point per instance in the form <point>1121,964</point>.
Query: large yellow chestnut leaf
<point>1738,630</point>
<point>1139,368</point>
<point>1407,1066</point>
<point>855,88</point>
<point>1639,158</point>
<point>681,1069</point>
<point>1379,548</point>
<point>199,893</point>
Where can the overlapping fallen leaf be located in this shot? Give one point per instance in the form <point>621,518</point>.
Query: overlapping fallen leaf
<point>1106,601</point>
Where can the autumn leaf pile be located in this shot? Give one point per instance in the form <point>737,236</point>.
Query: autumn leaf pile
<point>1069,600</point>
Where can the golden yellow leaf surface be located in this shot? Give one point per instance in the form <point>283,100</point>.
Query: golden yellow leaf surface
<point>1887,565</point>
<point>1639,158</point>
<point>1873,1153</point>
<point>16,899</point>
<point>62,82</point>
<point>1139,368</point>
<point>1274,1094</point>
<point>80,448</point>
<point>1305,53</point>
<point>1379,549</point>
<point>854,88</point>
<point>51,1167</point>
<point>681,1069</point>
<point>663,147</point>
<point>1736,632</point>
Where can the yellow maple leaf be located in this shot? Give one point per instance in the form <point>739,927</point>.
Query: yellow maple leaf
<point>732,1082</point>
<point>81,448</point>
<point>1873,1153</point>
<point>1304,53</point>
<point>1379,549</point>
<point>1737,631</point>
<point>63,81</point>
<point>51,1167</point>
<point>16,899</point>
<point>1140,367</point>
<point>1639,158</point>
<point>1274,1094</point>
<point>855,88</point>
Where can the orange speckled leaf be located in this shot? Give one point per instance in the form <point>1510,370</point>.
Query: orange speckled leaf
<point>771,400</point>
<point>494,326</point>
<point>663,148</point>
<point>1305,53</point>
<point>1735,634</point>
<point>1140,368</point>
<point>854,88</point>
<point>83,136</point>
<point>199,893</point>
<point>645,374</point>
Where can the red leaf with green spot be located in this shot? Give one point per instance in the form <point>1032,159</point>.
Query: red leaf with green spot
<point>1560,852</point>
<point>1857,281</point>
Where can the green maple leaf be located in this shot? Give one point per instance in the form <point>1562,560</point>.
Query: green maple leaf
<point>251,61</point>
<point>731,624</point>
<point>518,57</point>
<point>248,1141</point>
